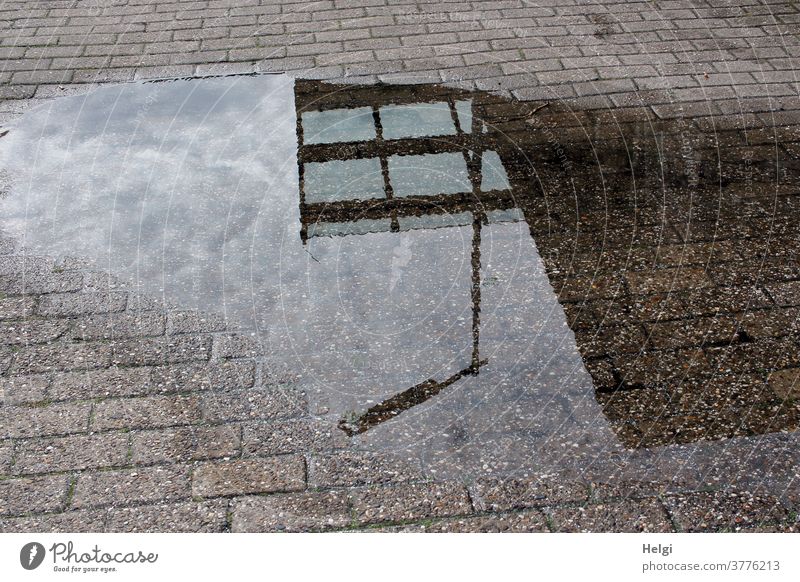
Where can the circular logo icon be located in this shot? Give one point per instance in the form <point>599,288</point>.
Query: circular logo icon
<point>31,555</point>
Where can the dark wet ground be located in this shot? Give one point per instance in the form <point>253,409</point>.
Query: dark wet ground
<point>495,288</point>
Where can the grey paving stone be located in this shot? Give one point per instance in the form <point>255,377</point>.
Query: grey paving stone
<point>109,382</point>
<point>71,453</point>
<point>131,486</point>
<point>189,517</point>
<point>120,325</point>
<point>60,356</point>
<point>185,444</point>
<point>410,501</point>
<point>242,477</point>
<point>159,351</point>
<point>81,521</point>
<point>15,390</point>
<point>36,282</point>
<point>623,516</point>
<point>72,304</point>
<point>51,419</point>
<point>31,331</point>
<point>218,376</point>
<point>194,322</point>
<point>6,456</point>
<point>351,468</point>
<point>532,521</point>
<point>33,495</point>
<point>288,436</point>
<point>17,91</point>
<point>237,346</point>
<point>502,495</point>
<point>266,404</point>
<point>146,412</point>
<point>721,511</point>
<point>16,307</point>
<point>307,511</point>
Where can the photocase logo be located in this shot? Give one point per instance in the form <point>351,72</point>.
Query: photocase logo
<point>31,555</point>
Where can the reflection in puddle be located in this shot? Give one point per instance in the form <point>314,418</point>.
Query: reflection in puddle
<point>424,262</point>
<point>444,288</point>
<point>412,176</point>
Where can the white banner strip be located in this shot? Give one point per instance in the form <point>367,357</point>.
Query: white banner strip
<point>358,556</point>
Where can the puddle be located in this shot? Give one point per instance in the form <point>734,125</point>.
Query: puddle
<point>448,275</point>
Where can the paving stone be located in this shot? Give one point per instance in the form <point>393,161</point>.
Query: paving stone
<point>33,495</point>
<point>353,468</point>
<point>60,356</point>
<point>610,341</point>
<point>6,456</point>
<point>654,367</point>
<point>410,501</point>
<point>624,516</point>
<point>601,286</point>
<point>243,477</point>
<point>31,331</point>
<point>16,307</point>
<point>619,487</point>
<point>195,322</point>
<point>73,304</point>
<point>131,486</point>
<point>129,324</point>
<point>17,91</point>
<point>771,323</point>
<point>146,412</point>
<point>52,419</point>
<point>634,404</point>
<point>159,351</point>
<point>755,356</point>
<point>307,511</point>
<point>714,300</point>
<point>237,346</point>
<point>721,511</point>
<point>185,444</point>
<point>501,495</point>
<point>266,404</point>
<point>785,293</point>
<point>6,358</point>
<point>218,376</point>
<point>25,264</point>
<point>143,302</point>
<point>290,436</point>
<point>16,390</point>
<point>525,521</point>
<point>71,453</point>
<point>109,382</point>
<point>81,521</point>
<point>786,383</point>
<point>38,282</point>
<point>666,280</point>
<point>190,517</point>
<point>694,332</point>
<point>7,246</point>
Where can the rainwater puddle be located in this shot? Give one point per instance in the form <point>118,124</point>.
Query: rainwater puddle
<point>447,275</point>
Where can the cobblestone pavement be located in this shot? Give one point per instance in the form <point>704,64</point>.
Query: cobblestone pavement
<point>121,414</point>
<point>701,55</point>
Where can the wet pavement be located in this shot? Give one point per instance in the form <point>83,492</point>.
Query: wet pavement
<point>500,305</point>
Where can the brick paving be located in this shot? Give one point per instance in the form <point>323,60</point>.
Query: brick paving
<point>171,442</point>
<point>676,56</point>
<point>120,414</point>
